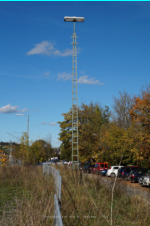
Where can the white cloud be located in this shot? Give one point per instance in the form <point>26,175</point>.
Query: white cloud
<point>23,110</point>
<point>11,109</point>
<point>52,124</point>
<point>82,80</point>
<point>47,48</point>
<point>86,80</point>
<point>43,123</point>
<point>66,52</point>
<point>64,76</point>
<point>47,73</point>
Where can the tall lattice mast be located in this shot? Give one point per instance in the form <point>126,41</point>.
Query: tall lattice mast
<point>74,100</point>
<point>75,158</point>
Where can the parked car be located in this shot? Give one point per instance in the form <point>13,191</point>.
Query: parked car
<point>138,173</point>
<point>65,162</point>
<point>87,168</point>
<point>113,171</point>
<point>103,172</point>
<point>99,167</point>
<point>140,179</point>
<point>91,168</point>
<point>81,166</point>
<point>55,160</point>
<point>146,180</point>
<point>126,171</point>
<point>70,163</point>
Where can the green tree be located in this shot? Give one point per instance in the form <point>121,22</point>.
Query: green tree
<point>90,120</point>
<point>117,144</point>
<point>40,151</point>
<point>21,151</point>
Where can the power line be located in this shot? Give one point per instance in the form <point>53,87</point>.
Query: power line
<point>13,136</point>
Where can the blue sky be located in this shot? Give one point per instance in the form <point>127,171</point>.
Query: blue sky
<point>36,60</point>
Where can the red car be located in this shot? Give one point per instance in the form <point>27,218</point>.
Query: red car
<point>99,167</point>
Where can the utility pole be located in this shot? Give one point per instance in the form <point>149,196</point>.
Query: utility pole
<point>28,133</point>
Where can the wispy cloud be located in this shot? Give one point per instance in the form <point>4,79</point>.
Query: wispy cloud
<point>47,73</point>
<point>37,110</point>
<point>43,123</point>
<point>64,76</point>
<point>47,48</point>
<point>86,80</point>
<point>11,109</point>
<point>23,110</point>
<point>52,124</point>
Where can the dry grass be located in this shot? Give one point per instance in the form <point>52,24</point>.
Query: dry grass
<point>27,198</point>
<point>87,201</point>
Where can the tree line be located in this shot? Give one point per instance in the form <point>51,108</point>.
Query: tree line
<point>39,151</point>
<point>118,136</point>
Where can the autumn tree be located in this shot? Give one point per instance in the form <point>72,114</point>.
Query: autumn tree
<point>140,114</point>
<point>90,120</point>
<point>21,152</point>
<point>116,145</point>
<point>122,105</point>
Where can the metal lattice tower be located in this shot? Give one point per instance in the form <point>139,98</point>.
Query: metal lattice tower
<point>75,158</point>
<point>74,100</point>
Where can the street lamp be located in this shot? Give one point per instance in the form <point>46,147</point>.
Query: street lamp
<point>73,19</point>
<point>27,126</point>
<point>75,155</point>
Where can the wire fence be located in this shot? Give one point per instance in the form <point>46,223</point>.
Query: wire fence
<point>58,218</point>
<point>49,170</point>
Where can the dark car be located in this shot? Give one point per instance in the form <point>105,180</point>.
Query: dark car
<point>55,160</point>
<point>126,171</point>
<point>88,168</point>
<point>40,163</point>
<point>103,172</point>
<point>138,173</point>
<point>91,168</point>
<point>81,166</point>
<point>140,179</point>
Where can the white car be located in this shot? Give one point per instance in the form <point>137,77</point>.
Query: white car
<point>113,171</point>
<point>65,163</point>
<point>70,163</point>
